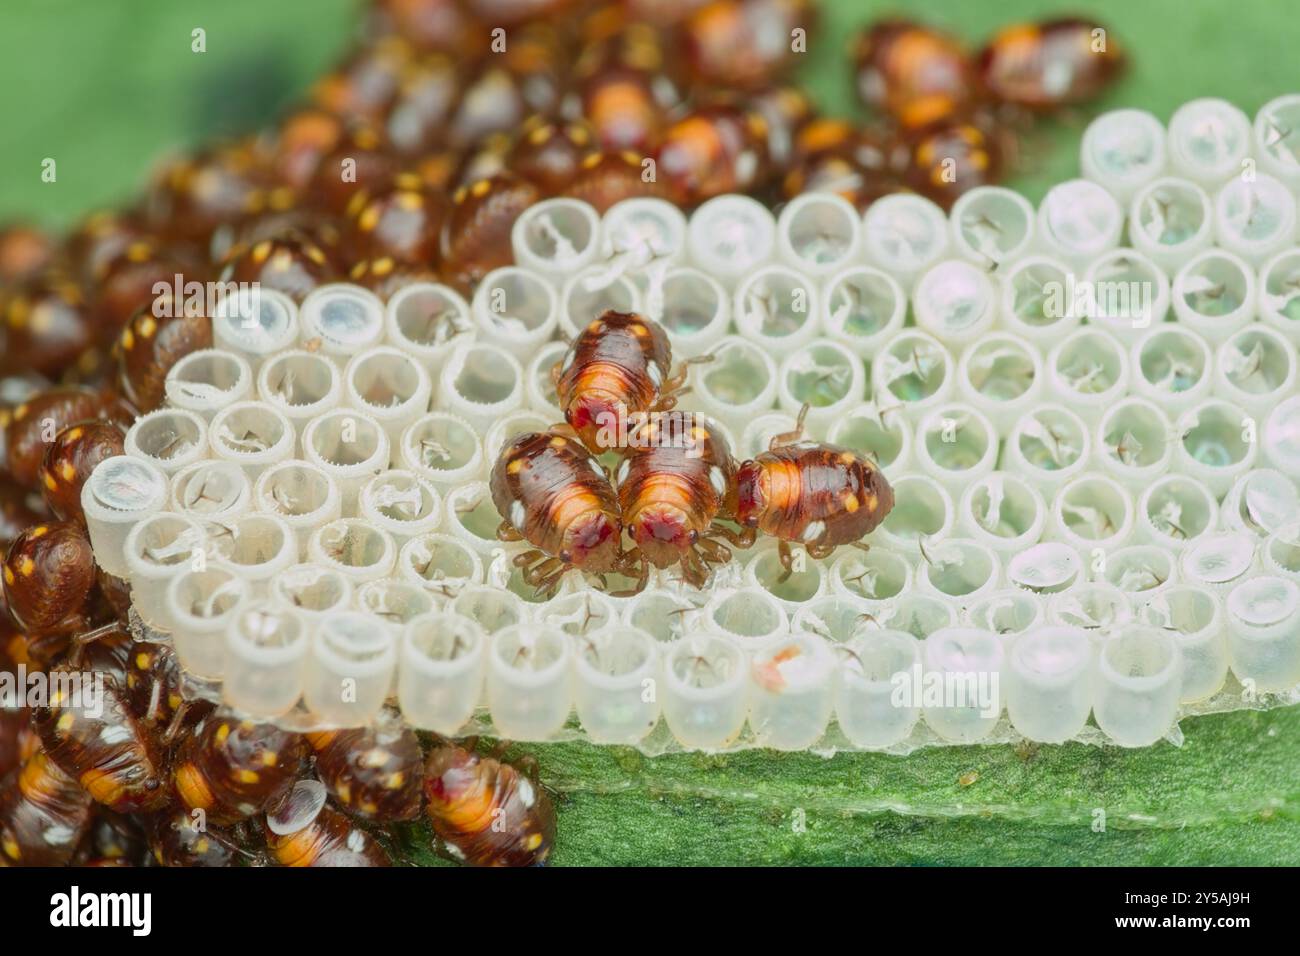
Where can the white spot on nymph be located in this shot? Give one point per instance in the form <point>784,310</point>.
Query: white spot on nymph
<point>569,356</point>
<point>624,469</point>
<point>527,796</point>
<point>58,835</point>
<point>114,734</point>
<point>455,851</point>
<point>746,165</point>
<point>814,531</point>
<point>595,466</point>
<point>718,480</point>
<point>517,515</point>
<point>656,376</point>
<point>356,841</point>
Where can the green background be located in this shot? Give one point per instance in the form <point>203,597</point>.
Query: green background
<point>106,87</point>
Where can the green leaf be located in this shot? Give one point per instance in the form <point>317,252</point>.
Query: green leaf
<point>1229,795</point>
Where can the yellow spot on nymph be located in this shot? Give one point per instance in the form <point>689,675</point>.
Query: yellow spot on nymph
<point>870,501</point>
<point>148,326</point>
<point>850,502</point>
<point>848,458</point>
<point>48,480</point>
<point>42,318</point>
<point>76,433</point>
<point>40,531</point>
<point>26,567</point>
<point>222,733</point>
<point>515,466</point>
<point>540,135</point>
<point>592,160</point>
<point>356,202</point>
<point>270,758</point>
<point>558,442</point>
<point>369,218</point>
<point>459,195</point>
<point>9,575</point>
<point>595,327</point>
<point>480,188</point>
<point>65,721</point>
<point>410,201</point>
<point>128,339</point>
<point>247,776</point>
<point>142,661</point>
<point>534,841</point>
<point>381,267</point>
<point>639,330</point>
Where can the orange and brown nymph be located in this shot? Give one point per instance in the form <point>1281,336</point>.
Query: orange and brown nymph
<point>93,736</point>
<point>617,368</point>
<point>817,495</point>
<point>328,839</point>
<point>488,812</point>
<point>1048,65</point>
<point>677,478</point>
<point>232,768</point>
<point>914,73</point>
<point>475,237</point>
<point>553,494</point>
<point>44,813</point>
<point>374,772</point>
